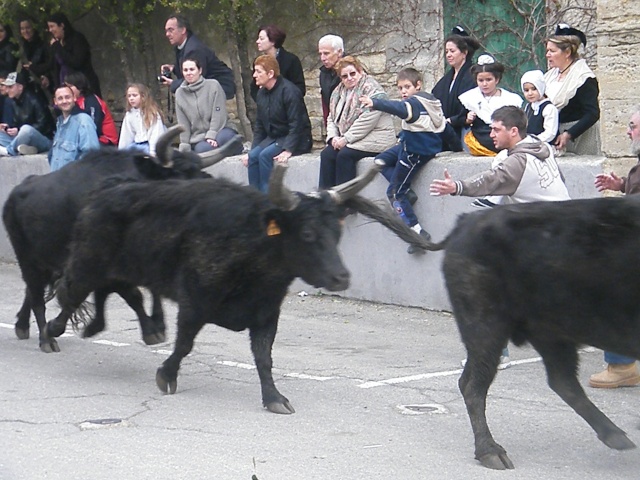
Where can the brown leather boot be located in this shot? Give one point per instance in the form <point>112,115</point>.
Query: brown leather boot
<point>616,376</point>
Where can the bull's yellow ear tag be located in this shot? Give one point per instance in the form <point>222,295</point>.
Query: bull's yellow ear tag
<point>273,228</point>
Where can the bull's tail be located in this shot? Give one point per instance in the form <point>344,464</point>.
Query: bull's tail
<point>390,219</point>
<point>80,315</point>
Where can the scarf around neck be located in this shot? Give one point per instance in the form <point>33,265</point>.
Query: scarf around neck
<point>345,105</point>
<point>560,92</point>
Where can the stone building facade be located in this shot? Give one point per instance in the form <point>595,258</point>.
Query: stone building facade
<point>387,38</point>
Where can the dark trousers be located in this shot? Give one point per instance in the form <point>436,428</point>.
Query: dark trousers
<point>400,168</point>
<point>339,166</point>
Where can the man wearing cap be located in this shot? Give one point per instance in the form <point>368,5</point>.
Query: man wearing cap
<point>75,131</point>
<point>33,124</point>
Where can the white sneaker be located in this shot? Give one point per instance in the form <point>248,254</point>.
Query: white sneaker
<point>25,149</point>
<point>3,151</point>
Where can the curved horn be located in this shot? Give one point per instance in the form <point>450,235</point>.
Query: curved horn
<point>164,151</point>
<point>346,190</point>
<point>280,195</point>
<point>216,155</point>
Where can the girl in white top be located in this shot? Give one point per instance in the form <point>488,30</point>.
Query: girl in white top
<point>482,101</point>
<point>143,122</point>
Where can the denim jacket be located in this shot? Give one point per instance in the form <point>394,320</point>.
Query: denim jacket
<point>74,137</point>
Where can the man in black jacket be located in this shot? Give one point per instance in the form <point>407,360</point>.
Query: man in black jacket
<point>330,49</point>
<point>282,126</point>
<point>187,45</point>
<point>33,124</point>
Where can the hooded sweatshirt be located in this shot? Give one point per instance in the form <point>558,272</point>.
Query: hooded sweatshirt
<point>529,173</point>
<point>201,109</point>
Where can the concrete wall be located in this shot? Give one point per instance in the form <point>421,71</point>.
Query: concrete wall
<point>381,269</point>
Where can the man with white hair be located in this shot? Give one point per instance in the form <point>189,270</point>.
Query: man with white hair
<point>331,49</point>
<point>621,371</point>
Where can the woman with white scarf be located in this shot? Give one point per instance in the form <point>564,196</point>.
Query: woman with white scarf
<point>353,130</point>
<point>573,89</point>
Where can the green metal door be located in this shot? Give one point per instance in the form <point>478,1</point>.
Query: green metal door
<point>513,31</point>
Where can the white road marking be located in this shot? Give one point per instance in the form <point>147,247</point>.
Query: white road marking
<point>111,344</point>
<point>303,376</point>
<point>424,376</point>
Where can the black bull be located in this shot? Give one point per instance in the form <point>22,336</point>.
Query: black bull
<point>225,253</point>
<point>555,274</point>
<point>39,215</point>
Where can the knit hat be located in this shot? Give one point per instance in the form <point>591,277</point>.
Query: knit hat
<point>536,78</point>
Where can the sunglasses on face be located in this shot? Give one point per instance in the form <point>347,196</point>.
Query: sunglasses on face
<point>344,76</point>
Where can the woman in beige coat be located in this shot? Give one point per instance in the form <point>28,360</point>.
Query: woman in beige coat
<point>353,131</point>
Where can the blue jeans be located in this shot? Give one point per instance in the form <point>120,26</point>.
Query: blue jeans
<point>617,359</point>
<point>224,136</point>
<point>400,168</point>
<point>261,164</point>
<point>27,135</point>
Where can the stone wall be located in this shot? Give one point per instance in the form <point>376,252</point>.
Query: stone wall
<point>618,70</point>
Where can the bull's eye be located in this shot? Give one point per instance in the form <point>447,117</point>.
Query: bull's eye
<point>308,235</point>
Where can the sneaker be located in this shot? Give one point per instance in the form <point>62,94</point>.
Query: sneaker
<point>505,362</point>
<point>616,376</point>
<point>482,203</point>
<point>411,196</point>
<point>3,151</point>
<point>411,249</point>
<point>25,149</point>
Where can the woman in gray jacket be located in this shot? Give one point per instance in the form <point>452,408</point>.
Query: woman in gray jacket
<point>202,111</point>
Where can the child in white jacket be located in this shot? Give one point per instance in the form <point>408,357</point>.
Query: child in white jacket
<point>143,123</point>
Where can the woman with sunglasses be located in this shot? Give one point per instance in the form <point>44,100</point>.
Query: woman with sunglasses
<point>353,131</point>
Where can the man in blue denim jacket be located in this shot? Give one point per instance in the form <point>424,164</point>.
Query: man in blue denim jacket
<point>75,131</point>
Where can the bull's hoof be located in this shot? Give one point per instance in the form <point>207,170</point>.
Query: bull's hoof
<point>91,330</point>
<point>49,345</point>
<point>154,338</point>
<point>22,333</point>
<point>54,329</point>
<point>164,384</point>
<point>496,461</point>
<point>618,441</point>
<point>283,408</point>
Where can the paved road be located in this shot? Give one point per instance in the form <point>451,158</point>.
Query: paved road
<point>349,368</point>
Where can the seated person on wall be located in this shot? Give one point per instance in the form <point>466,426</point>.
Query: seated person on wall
<point>32,121</point>
<point>353,131</point>
<point>143,123</point>
<point>482,101</point>
<point>282,127</point>
<point>201,108</point>
<point>420,140</point>
<point>94,106</point>
<point>75,131</point>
